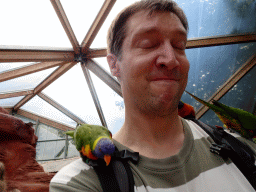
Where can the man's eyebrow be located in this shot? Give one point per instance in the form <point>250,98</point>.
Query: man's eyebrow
<point>145,31</point>
<point>156,30</point>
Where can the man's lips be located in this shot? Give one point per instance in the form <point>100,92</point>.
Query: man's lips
<point>164,79</point>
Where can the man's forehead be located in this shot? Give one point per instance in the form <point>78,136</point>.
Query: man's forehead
<point>144,22</point>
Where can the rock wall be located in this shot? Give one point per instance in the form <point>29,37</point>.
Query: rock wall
<point>19,170</point>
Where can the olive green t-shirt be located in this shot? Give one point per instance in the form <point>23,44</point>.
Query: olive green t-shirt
<point>194,168</point>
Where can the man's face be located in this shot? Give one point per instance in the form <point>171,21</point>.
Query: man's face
<point>153,69</point>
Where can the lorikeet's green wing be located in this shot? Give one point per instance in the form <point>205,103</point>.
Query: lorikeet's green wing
<point>222,114</point>
<point>247,120</point>
<point>228,117</point>
<point>82,136</point>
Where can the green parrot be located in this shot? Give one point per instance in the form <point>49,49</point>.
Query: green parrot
<point>93,141</point>
<point>237,119</point>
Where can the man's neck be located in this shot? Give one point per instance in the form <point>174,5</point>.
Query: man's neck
<point>154,137</point>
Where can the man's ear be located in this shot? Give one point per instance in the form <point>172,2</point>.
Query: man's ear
<point>113,65</point>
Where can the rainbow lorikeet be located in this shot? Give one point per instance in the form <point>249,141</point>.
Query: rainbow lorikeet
<point>236,119</point>
<point>185,110</point>
<point>93,141</point>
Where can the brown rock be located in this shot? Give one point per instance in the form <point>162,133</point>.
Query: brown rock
<point>12,128</point>
<point>20,172</point>
<point>2,181</point>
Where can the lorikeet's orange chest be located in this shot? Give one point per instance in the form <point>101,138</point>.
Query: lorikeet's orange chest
<point>86,151</point>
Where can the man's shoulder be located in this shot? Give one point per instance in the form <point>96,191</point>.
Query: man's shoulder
<point>76,175</point>
<point>198,133</point>
<point>65,174</point>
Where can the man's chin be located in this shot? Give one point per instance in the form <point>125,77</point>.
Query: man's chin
<point>164,106</point>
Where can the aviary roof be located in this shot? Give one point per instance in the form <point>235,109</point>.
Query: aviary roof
<point>41,71</point>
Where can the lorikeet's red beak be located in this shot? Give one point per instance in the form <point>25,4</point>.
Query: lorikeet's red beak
<point>107,159</point>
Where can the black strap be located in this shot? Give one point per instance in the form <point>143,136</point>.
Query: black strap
<point>107,178</point>
<point>124,174</point>
<point>228,146</point>
<point>117,176</point>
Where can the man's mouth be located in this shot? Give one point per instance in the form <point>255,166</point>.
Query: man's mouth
<point>164,79</point>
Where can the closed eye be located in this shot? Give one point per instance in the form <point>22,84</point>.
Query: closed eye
<point>147,44</point>
<point>180,46</point>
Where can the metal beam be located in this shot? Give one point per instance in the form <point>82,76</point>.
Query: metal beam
<point>9,109</point>
<point>34,54</point>
<point>220,40</point>
<point>66,147</point>
<point>194,43</point>
<point>51,78</point>
<point>18,72</point>
<point>104,76</point>
<point>16,94</point>
<point>245,68</point>
<point>61,108</point>
<point>97,23</point>
<point>94,53</point>
<point>66,25</point>
<point>94,94</point>
<point>44,120</point>
<point>36,127</point>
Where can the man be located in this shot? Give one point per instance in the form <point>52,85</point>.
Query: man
<point>146,45</point>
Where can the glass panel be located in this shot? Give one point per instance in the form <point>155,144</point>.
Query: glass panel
<point>101,38</point>
<point>25,82</point>
<point>72,151</point>
<point>60,149</point>
<point>211,17</point>
<point>9,66</point>
<point>38,106</point>
<point>112,104</point>
<point>46,150</point>
<point>211,67</point>
<point>46,132</point>
<point>40,150</point>
<point>10,102</point>
<point>26,23</point>
<point>55,150</point>
<point>81,15</point>
<point>242,95</point>
<point>72,92</point>
<point>205,18</point>
<point>102,61</point>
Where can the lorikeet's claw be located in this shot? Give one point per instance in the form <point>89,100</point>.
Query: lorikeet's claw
<point>107,159</point>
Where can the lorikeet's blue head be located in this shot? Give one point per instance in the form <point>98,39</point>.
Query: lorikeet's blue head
<point>103,149</point>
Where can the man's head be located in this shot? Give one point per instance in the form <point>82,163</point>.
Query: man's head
<point>148,57</point>
<point>118,29</point>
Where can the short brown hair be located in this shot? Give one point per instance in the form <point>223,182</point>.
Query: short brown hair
<point>117,30</point>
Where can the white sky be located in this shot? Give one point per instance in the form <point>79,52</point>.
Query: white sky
<point>35,23</point>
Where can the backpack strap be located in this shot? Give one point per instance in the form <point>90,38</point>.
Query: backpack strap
<point>117,176</point>
<point>227,145</point>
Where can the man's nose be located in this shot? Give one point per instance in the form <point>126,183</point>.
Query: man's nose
<point>167,57</point>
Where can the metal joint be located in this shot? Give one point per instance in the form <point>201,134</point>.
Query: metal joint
<point>14,112</point>
<point>81,57</point>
